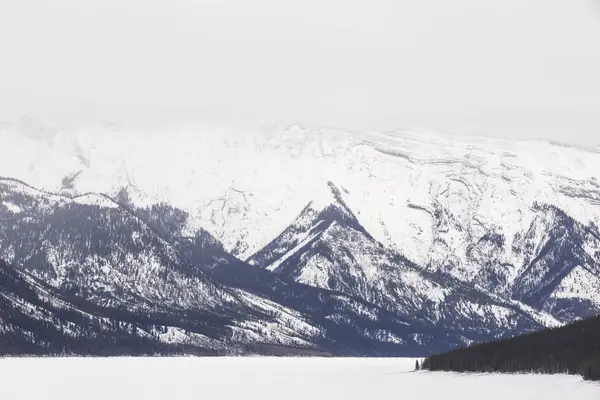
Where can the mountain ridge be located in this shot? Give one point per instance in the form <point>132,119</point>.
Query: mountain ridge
<point>204,255</point>
<point>332,317</point>
<point>435,231</point>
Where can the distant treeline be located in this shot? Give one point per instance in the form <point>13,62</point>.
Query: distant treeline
<point>571,349</point>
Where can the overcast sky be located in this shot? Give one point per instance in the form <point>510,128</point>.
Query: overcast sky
<point>526,68</point>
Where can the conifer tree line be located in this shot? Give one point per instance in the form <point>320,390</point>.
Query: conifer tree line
<point>571,349</point>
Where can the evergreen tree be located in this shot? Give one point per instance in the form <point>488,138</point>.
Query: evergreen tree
<point>571,349</point>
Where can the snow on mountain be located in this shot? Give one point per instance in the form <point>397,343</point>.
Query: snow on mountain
<point>579,283</point>
<point>38,319</point>
<point>110,257</point>
<point>137,260</point>
<point>244,186</point>
<point>556,250</point>
<point>500,230</point>
<point>326,247</point>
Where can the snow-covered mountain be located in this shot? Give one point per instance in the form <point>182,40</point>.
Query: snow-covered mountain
<point>480,236</point>
<point>93,248</point>
<point>326,247</point>
<point>137,260</point>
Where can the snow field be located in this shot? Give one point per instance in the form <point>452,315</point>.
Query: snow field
<point>269,378</point>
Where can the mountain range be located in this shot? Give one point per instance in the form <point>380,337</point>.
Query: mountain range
<point>291,241</point>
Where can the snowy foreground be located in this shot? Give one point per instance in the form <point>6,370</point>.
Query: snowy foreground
<point>268,378</point>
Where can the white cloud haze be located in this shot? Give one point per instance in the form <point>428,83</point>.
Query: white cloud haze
<point>511,68</point>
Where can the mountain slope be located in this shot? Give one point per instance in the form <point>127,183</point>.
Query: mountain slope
<point>93,248</point>
<point>326,247</point>
<point>562,267</point>
<point>455,204</point>
<point>351,325</point>
<point>542,264</point>
<point>38,319</point>
<point>51,237</point>
<point>136,260</point>
<point>244,187</point>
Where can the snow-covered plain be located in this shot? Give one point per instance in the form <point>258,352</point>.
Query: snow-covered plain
<point>268,378</point>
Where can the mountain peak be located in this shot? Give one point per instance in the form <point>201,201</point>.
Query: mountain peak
<point>327,209</point>
<point>329,197</point>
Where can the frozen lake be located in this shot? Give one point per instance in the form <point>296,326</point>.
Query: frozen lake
<point>268,378</point>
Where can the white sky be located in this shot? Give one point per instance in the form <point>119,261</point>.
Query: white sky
<point>525,68</point>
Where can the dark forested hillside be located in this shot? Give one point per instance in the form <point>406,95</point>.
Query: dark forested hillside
<point>571,349</point>
<point>36,319</point>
